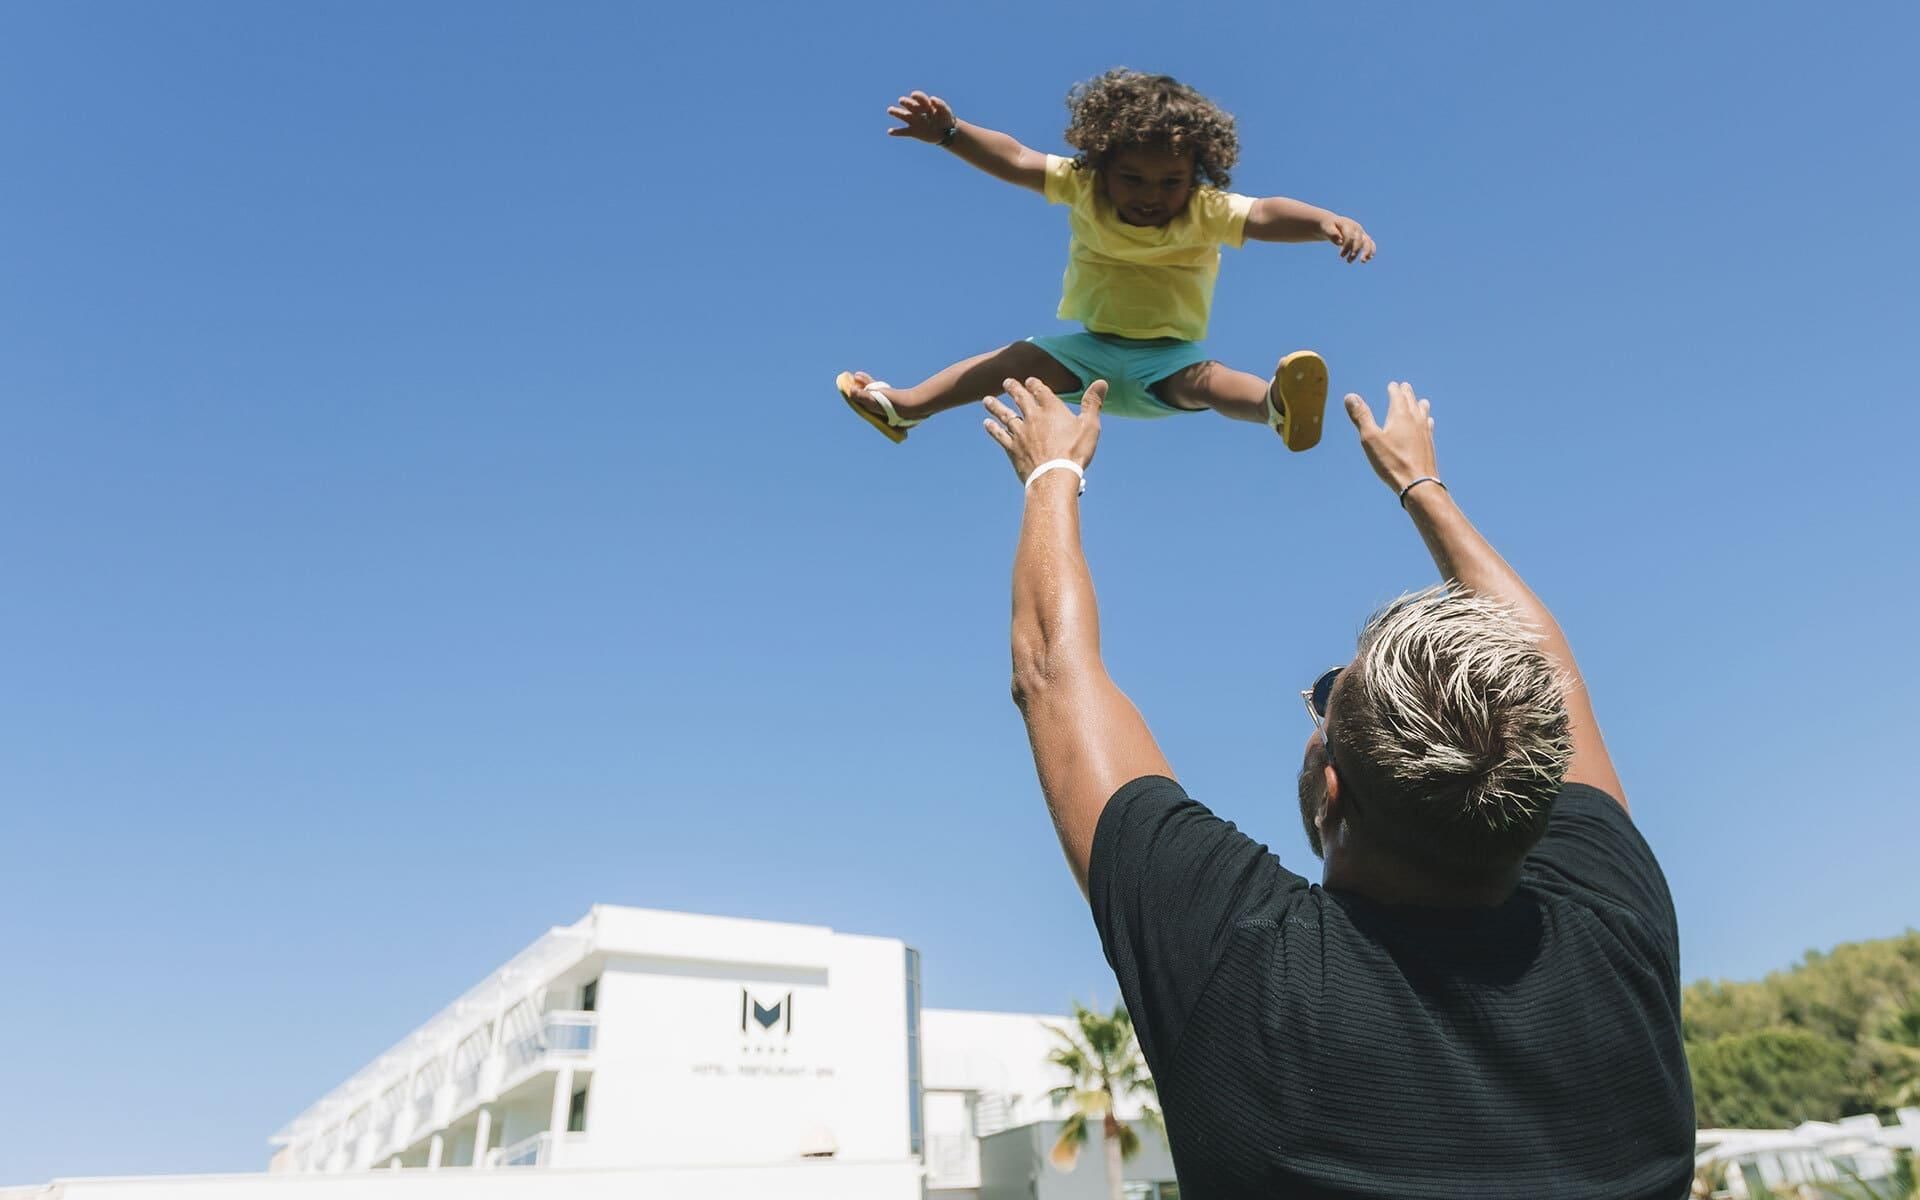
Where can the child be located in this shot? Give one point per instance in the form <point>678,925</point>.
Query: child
<point>1148,215</point>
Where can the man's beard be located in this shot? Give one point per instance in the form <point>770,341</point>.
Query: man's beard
<point>1313,795</point>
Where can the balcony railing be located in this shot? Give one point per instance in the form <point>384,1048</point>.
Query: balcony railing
<point>423,1109</point>
<point>564,1035</point>
<point>536,1151</point>
<point>570,1033</point>
<point>466,1087</point>
<point>320,1157</point>
<point>560,1035</point>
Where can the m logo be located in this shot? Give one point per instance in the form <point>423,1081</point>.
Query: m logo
<point>766,1016</point>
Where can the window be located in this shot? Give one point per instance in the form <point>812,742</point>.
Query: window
<point>589,995</point>
<point>577,1111</point>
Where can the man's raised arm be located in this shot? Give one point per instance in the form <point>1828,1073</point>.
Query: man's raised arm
<point>1402,454</point>
<point>1088,739</point>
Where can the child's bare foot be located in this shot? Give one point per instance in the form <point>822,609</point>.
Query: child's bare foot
<point>859,394</point>
<point>869,399</point>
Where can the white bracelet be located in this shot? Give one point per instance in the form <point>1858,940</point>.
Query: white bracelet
<point>1059,464</point>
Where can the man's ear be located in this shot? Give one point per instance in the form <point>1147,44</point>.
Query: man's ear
<point>1332,804</point>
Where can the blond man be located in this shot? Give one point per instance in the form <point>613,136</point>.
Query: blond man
<point>1481,996</point>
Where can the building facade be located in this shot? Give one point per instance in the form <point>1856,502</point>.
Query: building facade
<point>701,1056</point>
<point>642,1039</point>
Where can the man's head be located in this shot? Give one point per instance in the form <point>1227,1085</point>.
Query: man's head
<point>1444,743</point>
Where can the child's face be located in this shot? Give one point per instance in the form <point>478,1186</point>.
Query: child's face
<point>1148,185</point>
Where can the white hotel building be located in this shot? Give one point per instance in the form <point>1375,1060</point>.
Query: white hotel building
<point>638,1053</point>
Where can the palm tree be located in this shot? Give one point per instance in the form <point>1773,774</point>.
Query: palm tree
<point>1103,1062</point>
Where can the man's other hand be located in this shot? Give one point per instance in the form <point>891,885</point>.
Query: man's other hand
<point>1400,451</point>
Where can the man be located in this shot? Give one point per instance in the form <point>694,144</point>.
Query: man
<point>1481,998</point>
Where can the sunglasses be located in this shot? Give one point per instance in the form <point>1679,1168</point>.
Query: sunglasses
<point>1317,696</point>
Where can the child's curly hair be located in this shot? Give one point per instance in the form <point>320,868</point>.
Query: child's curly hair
<point>1123,108</point>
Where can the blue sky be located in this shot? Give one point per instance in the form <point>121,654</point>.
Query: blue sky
<point>424,511</point>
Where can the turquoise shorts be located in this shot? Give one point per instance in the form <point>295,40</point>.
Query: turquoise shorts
<point>1131,366</point>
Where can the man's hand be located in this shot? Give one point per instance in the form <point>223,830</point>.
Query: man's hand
<point>1345,232</point>
<point>1401,451</point>
<point>1041,427</point>
<point>1088,738</point>
<point>924,118</point>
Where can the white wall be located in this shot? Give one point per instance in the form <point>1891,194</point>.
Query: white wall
<point>677,1081</point>
<point>998,1053</point>
<point>989,1051</point>
<point>871,1027</point>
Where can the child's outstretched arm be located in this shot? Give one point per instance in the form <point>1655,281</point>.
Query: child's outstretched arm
<point>1278,219</point>
<point>929,119</point>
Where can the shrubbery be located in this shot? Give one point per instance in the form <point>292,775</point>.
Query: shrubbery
<point>1837,1034</point>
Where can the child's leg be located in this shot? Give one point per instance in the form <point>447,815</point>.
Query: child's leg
<point>1213,385</point>
<point>969,381</point>
<point>1293,401</point>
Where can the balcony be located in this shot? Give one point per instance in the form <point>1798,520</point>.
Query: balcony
<point>570,1034</point>
<point>540,1150</point>
<point>567,1035</point>
<point>467,1086</point>
<point>426,1110</point>
<point>561,1038</point>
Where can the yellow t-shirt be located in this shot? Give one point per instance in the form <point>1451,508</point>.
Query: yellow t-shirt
<point>1142,281</point>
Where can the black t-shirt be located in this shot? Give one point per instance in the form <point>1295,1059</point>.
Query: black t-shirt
<point>1312,1043</point>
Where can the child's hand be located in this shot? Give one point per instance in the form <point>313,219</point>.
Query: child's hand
<point>1345,232</point>
<point>926,118</point>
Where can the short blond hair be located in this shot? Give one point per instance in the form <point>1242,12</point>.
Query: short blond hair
<point>1453,723</point>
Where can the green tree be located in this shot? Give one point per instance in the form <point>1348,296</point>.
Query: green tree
<point>1898,1057</point>
<point>1104,1066</point>
<point>1853,1001</point>
<point>1771,1079</point>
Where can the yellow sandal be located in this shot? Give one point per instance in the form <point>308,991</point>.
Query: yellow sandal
<point>893,425</point>
<point>1301,383</point>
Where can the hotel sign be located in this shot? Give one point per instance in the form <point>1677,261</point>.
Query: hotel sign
<point>779,1016</point>
<point>766,1042</point>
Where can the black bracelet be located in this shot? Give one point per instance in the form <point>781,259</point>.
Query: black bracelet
<point>1416,483</point>
<point>953,131</point>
